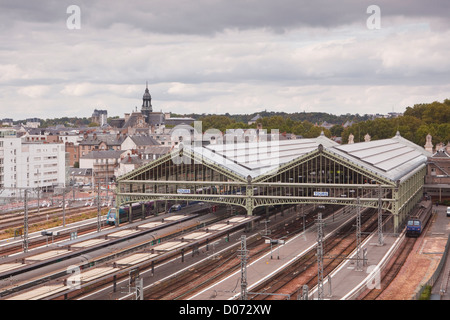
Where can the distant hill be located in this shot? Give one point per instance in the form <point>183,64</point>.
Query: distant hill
<point>313,117</point>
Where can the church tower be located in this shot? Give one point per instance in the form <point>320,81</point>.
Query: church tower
<point>146,104</point>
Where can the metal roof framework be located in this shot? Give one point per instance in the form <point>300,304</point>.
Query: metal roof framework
<point>291,172</point>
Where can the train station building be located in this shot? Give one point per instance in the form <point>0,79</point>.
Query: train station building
<point>437,181</point>
<point>386,174</point>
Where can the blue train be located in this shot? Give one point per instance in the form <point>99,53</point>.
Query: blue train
<point>417,222</point>
<point>178,207</point>
<point>123,212</point>
<point>175,207</point>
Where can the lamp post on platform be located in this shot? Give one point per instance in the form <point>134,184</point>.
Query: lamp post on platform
<point>277,242</point>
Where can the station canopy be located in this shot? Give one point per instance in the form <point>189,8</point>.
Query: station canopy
<point>295,171</point>
<point>393,159</point>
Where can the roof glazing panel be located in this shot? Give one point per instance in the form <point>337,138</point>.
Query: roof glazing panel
<point>391,158</point>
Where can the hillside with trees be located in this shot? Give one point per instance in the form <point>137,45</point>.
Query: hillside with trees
<point>283,124</point>
<point>416,122</point>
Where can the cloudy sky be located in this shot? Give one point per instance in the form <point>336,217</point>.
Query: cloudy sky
<point>218,56</point>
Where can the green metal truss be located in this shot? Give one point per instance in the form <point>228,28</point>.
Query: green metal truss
<point>398,197</point>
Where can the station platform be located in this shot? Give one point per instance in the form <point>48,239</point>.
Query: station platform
<point>346,281</point>
<point>170,222</point>
<point>73,247</point>
<point>438,237</point>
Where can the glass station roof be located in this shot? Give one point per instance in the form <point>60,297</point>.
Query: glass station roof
<point>391,158</point>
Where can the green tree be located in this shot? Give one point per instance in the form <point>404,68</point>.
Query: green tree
<point>218,122</point>
<point>336,130</point>
<point>437,112</point>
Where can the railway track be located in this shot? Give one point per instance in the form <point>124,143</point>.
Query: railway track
<point>180,286</point>
<point>391,271</point>
<point>116,252</point>
<point>290,281</point>
<point>12,220</point>
<point>195,279</point>
<point>40,223</point>
<point>35,243</point>
<point>192,280</point>
<point>394,266</point>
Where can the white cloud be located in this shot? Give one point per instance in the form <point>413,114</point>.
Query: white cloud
<point>81,89</point>
<point>34,91</point>
<point>204,62</point>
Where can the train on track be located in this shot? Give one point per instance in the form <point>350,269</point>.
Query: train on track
<point>417,221</point>
<point>148,207</point>
<point>136,211</point>
<point>175,207</point>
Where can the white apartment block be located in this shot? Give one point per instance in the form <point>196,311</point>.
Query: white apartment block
<point>29,164</point>
<point>10,147</point>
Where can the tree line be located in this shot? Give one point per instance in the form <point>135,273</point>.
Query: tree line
<point>415,124</point>
<point>287,125</point>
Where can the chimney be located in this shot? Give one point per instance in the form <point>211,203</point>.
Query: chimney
<point>127,116</point>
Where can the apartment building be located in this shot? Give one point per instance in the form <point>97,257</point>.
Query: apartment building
<point>30,165</point>
<point>102,163</point>
<point>10,147</point>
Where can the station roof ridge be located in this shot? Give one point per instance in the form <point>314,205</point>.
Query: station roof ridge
<point>392,158</point>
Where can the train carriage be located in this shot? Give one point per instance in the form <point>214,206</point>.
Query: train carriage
<point>124,212</point>
<point>417,221</point>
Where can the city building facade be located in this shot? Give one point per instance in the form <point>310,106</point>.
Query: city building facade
<point>30,165</point>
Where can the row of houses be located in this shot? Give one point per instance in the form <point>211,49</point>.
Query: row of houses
<point>45,159</point>
<point>83,155</point>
